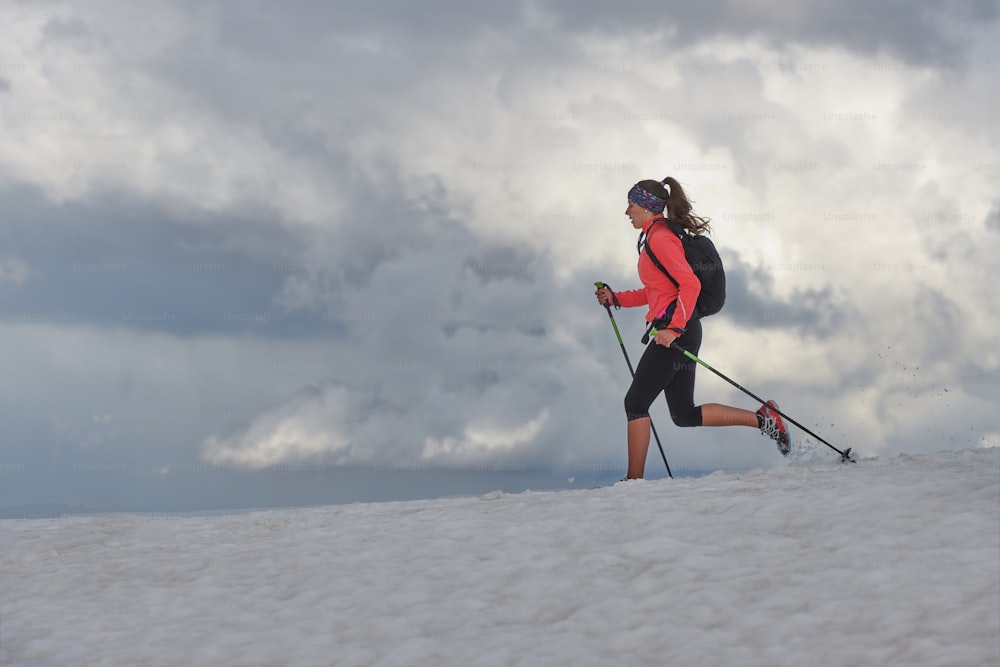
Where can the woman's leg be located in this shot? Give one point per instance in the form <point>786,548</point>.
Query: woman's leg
<point>680,392</point>
<point>680,383</point>
<point>638,447</point>
<point>654,372</point>
<point>716,414</point>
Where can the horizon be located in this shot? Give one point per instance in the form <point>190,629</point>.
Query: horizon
<point>301,486</point>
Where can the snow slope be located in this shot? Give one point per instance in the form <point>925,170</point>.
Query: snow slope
<point>881,562</point>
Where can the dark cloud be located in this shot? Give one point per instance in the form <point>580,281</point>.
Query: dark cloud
<point>751,300</point>
<point>992,221</point>
<point>247,64</point>
<point>931,32</point>
<point>501,264</point>
<point>64,30</point>
<point>938,312</point>
<point>927,32</point>
<point>119,261</point>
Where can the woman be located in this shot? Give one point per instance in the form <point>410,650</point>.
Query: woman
<point>671,312</point>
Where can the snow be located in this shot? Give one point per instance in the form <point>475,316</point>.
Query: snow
<point>879,562</point>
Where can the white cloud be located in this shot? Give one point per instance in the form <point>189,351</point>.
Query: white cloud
<point>480,442</point>
<point>302,430</point>
<point>93,113</point>
<point>13,272</point>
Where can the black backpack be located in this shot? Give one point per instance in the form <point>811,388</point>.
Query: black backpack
<point>704,259</point>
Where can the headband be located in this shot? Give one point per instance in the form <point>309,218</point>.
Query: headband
<point>640,197</point>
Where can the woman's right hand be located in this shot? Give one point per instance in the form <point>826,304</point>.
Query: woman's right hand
<point>603,296</point>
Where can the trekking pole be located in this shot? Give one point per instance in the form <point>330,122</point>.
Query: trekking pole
<point>614,324</point>
<point>844,455</point>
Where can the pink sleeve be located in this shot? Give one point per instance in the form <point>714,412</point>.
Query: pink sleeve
<point>632,298</point>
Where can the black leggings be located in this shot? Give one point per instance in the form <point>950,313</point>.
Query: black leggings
<point>667,370</point>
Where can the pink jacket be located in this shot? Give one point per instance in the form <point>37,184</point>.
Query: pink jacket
<point>657,291</point>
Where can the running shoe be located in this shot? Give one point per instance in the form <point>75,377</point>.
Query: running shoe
<point>773,426</point>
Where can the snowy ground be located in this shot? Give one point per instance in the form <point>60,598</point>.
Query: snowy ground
<point>882,562</point>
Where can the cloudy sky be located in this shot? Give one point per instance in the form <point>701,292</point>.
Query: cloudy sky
<point>260,253</point>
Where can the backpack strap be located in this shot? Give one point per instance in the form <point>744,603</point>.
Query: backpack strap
<point>643,244</point>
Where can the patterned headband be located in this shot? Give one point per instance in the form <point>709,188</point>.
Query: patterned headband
<point>640,197</point>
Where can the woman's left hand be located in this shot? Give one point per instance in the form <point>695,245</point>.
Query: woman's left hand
<point>665,337</point>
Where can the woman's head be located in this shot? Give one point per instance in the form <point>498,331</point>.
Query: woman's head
<point>667,197</point>
<point>650,195</point>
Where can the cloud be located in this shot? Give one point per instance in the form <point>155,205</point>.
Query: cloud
<point>13,272</point>
<point>119,260</point>
<point>993,219</point>
<point>332,425</point>
<point>476,442</point>
<point>753,302</point>
<point>922,33</point>
<point>409,205</point>
<point>301,430</point>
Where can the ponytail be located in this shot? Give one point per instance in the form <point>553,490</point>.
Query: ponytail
<point>679,208</point>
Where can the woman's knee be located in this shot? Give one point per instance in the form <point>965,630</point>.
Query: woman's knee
<point>687,418</point>
<point>635,407</point>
